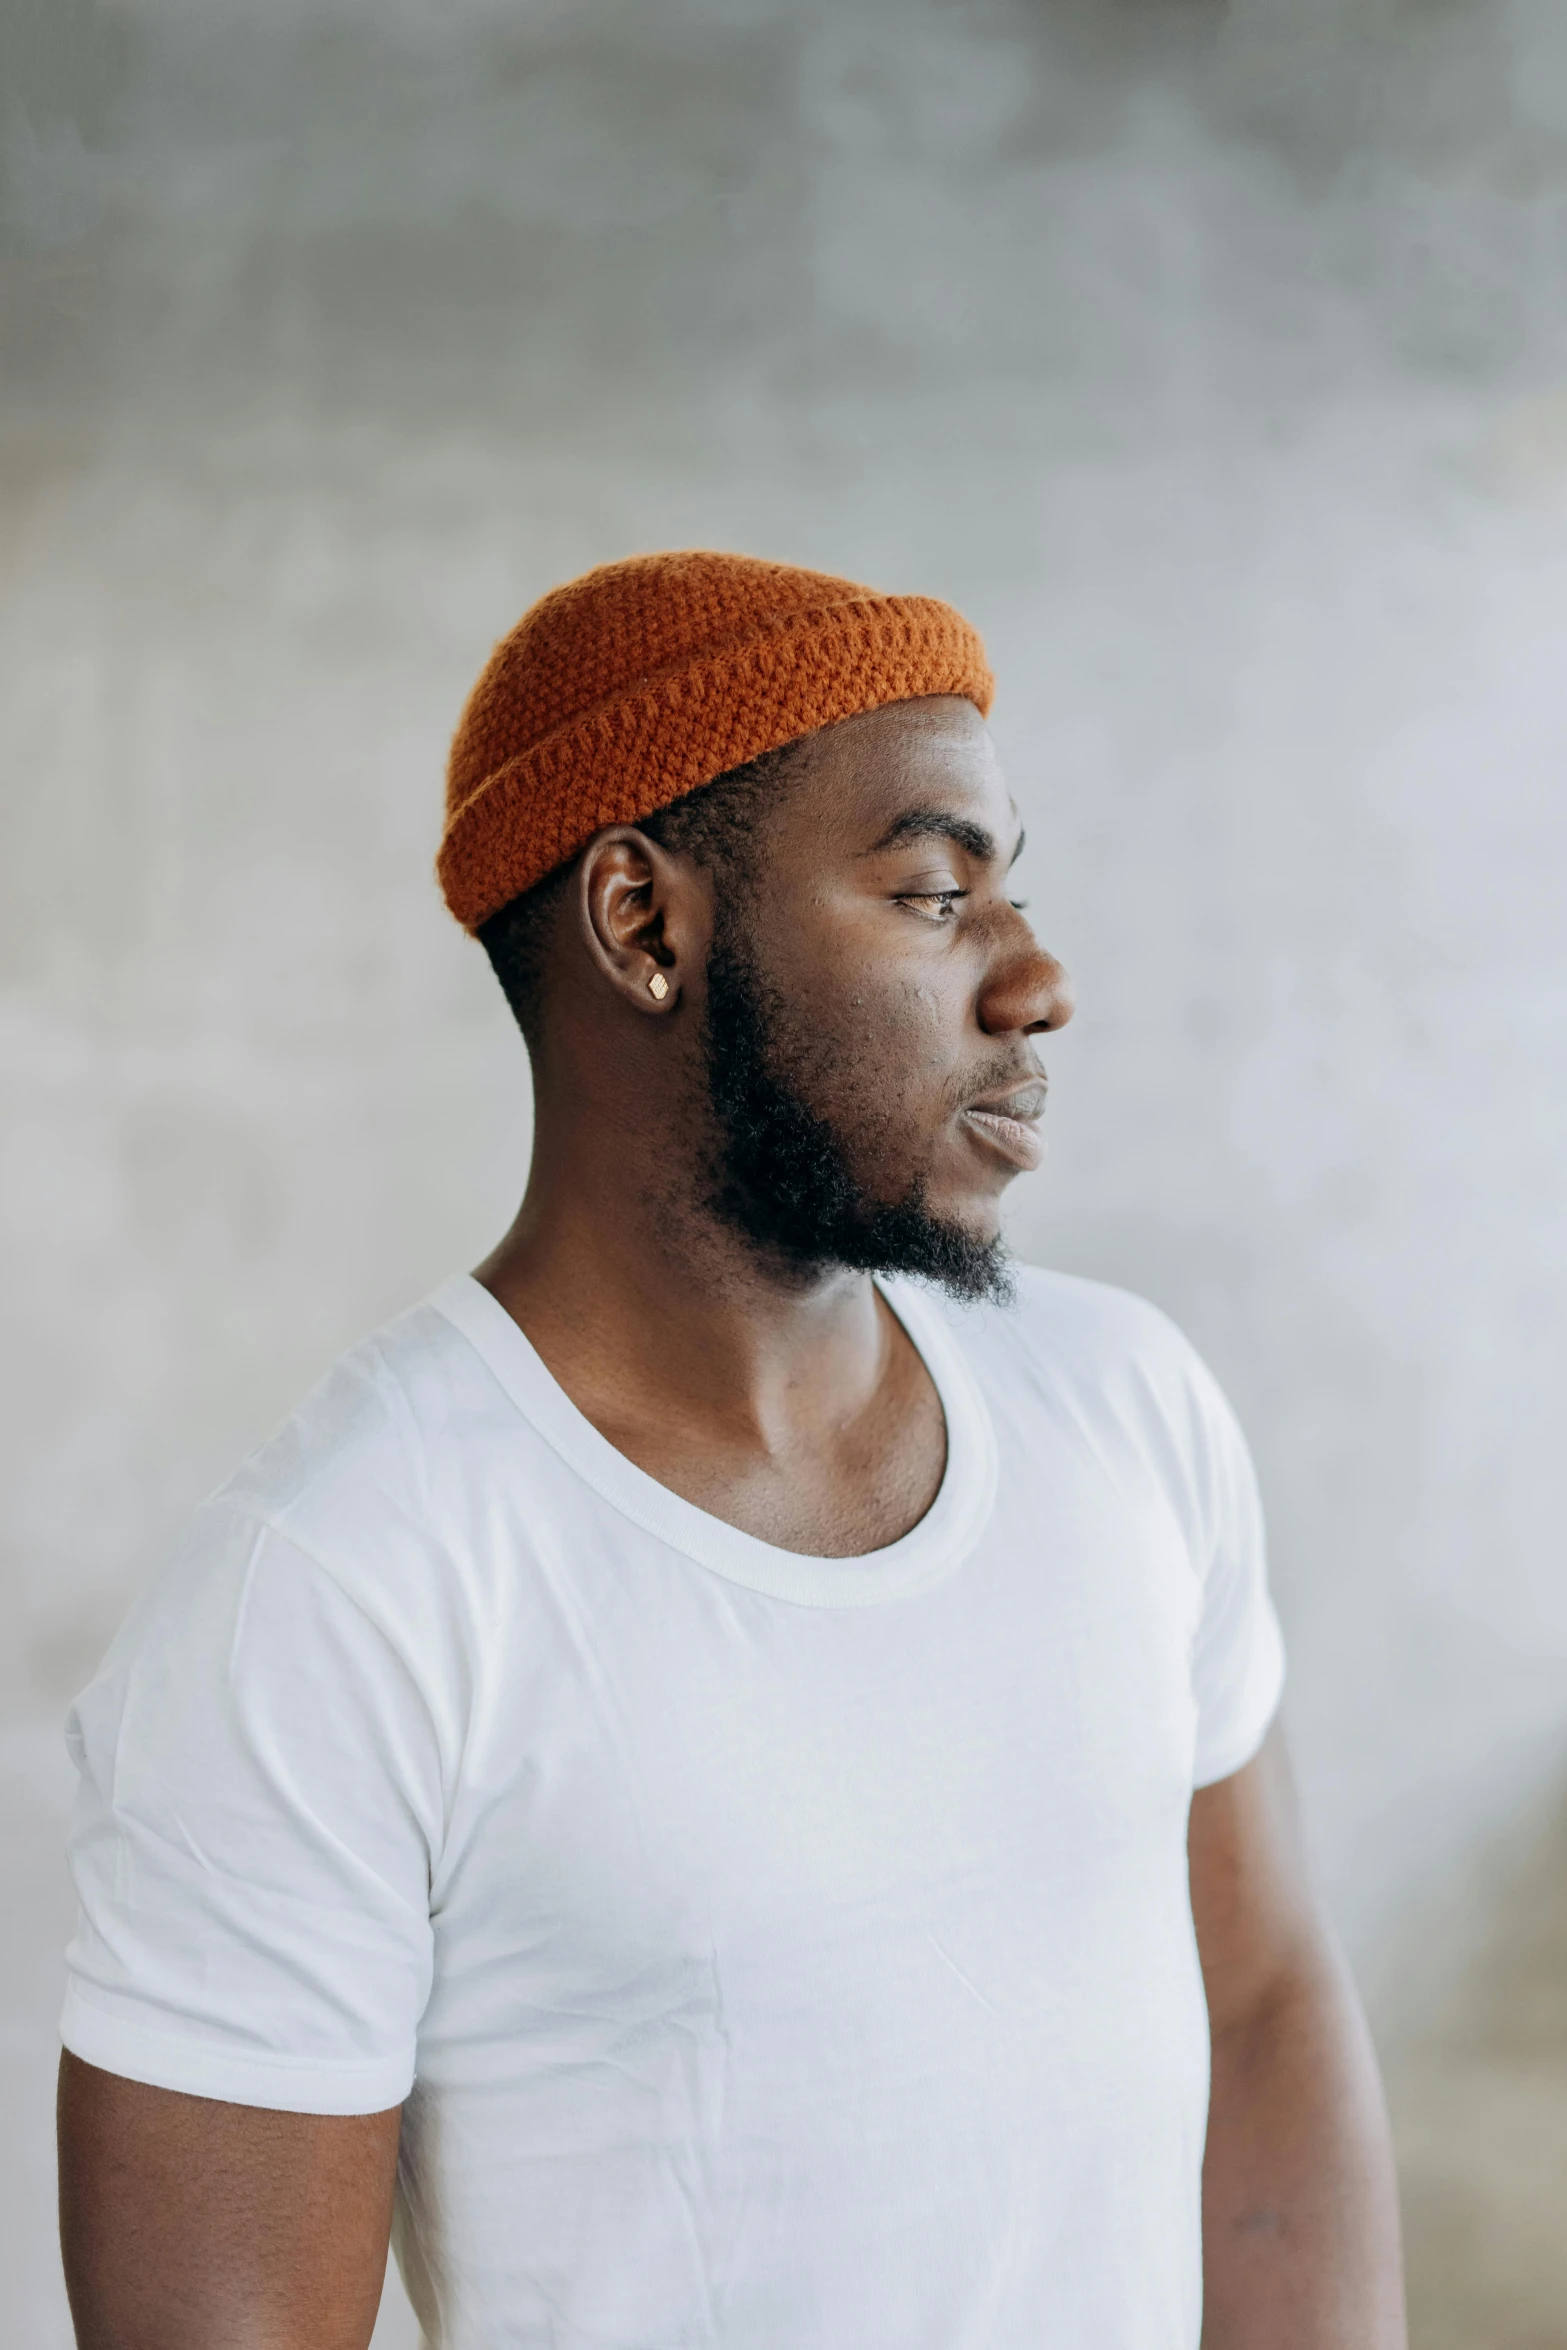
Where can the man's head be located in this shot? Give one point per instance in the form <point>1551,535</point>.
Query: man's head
<point>802,991</point>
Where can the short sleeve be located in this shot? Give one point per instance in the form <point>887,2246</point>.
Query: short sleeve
<point>259,1807</point>
<point>1238,1650</point>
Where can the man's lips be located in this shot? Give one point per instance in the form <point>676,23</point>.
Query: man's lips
<point>1009,1123</point>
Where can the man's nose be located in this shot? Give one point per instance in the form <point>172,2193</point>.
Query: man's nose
<point>1028,993</point>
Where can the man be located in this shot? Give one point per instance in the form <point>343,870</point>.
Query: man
<point>681,1781</point>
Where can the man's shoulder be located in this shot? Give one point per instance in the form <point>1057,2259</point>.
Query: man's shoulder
<point>1071,1325</point>
<point>1115,1368</point>
<point>387,1433</point>
<point>1113,1362</point>
<point>364,1527</point>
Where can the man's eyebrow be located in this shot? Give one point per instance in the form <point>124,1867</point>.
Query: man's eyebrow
<point>940,824</point>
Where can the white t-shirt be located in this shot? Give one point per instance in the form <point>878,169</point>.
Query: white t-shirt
<point>776,1953</point>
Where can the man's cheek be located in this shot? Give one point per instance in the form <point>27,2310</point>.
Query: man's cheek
<point>910,1015</point>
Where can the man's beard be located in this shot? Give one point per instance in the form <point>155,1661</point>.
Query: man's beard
<point>783,1175</point>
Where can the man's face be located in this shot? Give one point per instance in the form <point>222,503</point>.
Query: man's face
<point>873,994</point>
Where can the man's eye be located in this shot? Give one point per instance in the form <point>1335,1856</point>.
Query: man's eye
<point>934,904</point>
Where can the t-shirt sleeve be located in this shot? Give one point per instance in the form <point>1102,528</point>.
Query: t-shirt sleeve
<point>1238,1649</point>
<point>259,1808</point>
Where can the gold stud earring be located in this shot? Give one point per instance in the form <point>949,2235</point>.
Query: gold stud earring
<point>658,987</point>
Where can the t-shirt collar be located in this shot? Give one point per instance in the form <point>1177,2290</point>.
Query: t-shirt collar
<point>931,1550</point>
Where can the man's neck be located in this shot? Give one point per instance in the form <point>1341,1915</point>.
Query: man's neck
<point>795,1407</point>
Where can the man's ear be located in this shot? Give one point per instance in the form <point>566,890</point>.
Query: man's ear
<point>645,916</point>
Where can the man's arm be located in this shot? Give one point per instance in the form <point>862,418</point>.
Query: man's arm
<point>1300,2206</point>
<point>192,2225</point>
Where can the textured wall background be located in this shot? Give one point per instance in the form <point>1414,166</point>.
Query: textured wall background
<point>1213,361</point>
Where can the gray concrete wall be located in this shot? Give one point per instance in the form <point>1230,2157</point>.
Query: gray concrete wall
<point>1213,361</point>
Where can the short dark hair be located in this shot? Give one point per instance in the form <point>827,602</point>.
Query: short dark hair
<point>715,825</point>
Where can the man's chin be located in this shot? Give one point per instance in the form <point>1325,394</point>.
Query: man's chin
<point>977,1220</point>
<point>967,1259</point>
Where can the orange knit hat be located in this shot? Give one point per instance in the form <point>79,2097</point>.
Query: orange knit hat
<point>625,689</point>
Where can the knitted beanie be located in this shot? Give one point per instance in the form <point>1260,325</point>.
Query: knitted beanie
<point>629,687</point>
